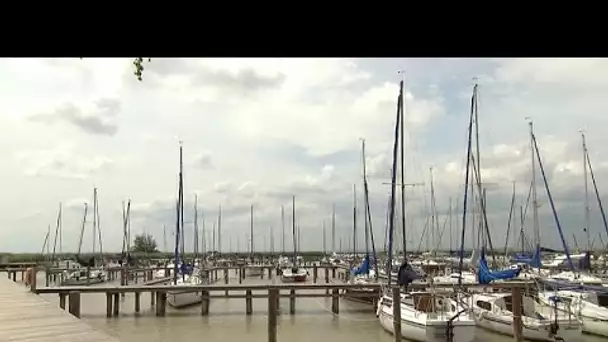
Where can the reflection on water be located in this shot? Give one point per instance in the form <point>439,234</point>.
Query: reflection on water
<point>227,321</point>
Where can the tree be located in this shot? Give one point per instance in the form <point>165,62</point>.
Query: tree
<point>139,67</point>
<point>144,243</point>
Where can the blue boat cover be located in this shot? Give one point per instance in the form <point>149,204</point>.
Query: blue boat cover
<point>363,268</point>
<point>486,276</point>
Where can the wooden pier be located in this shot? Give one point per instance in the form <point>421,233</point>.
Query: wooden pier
<point>157,291</point>
<point>27,317</point>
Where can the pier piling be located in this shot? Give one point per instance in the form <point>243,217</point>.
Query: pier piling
<point>74,303</point>
<point>517,324</point>
<point>108,304</point>
<point>335,301</point>
<point>62,300</point>
<point>292,302</point>
<point>273,300</point>
<point>248,302</point>
<point>137,302</point>
<point>205,303</point>
<point>116,305</point>
<point>397,313</point>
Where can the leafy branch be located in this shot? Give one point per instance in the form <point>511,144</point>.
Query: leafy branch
<point>139,67</point>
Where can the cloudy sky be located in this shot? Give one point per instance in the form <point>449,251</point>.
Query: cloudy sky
<point>257,131</point>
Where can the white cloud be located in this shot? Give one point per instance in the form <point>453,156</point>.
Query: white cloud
<point>259,131</point>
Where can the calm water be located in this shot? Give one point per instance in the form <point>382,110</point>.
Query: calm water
<point>227,321</point>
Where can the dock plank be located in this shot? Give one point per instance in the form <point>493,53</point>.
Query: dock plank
<point>26,317</point>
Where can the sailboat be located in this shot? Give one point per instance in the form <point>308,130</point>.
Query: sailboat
<point>183,274</point>
<point>365,273</point>
<point>81,276</point>
<point>424,315</point>
<point>294,273</point>
<point>254,271</point>
<point>493,311</point>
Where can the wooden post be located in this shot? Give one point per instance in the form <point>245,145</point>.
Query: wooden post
<point>62,300</point>
<point>333,273</point>
<point>248,302</point>
<point>262,272</point>
<point>517,325</point>
<point>241,275</point>
<point>116,306</point>
<point>269,272</point>
<point>292,302</point>
<point>314,274</point>
<point>108,304</point>
<point>33,276</point>
<point>161,303</point>
<point>273,300</point>
<point>205,303</point>
<point>15,276</point>
<point>74,304</point>
<point>47,276</point>
<point>397,313</point>
<point>88,275</point>
<point>137,301</point>
<point>226,276</point>
<point>335,301</point>
<point>152,298</point>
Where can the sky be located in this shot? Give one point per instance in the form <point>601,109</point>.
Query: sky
<point>259,131</point>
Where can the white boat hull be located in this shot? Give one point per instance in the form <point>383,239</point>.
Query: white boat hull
<point>180,299</point>
<point>81,281</point>
<point>432,333</point>
<point>530,331</point>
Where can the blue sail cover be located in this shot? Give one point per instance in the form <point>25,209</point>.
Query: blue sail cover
<point>185,269</point>
<point>363,268</point>
<point>532,260</point>
<point>486,276</point>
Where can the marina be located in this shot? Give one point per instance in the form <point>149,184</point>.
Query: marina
<point>314,224</point>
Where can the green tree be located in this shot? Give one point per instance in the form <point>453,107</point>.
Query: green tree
<point>144,243</point>
<point>138,62</point>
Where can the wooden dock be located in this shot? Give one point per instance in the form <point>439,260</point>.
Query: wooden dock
<point>25,316</point>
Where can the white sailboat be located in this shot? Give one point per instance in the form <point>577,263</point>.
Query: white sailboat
<point>186,275</point>
<point>424,316</point>
<point>584,305</point>
<point>493,311</point>
<point>252,271</point>
<point>294,273</point>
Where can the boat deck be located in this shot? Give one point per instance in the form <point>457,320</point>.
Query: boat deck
<point>25,316</point>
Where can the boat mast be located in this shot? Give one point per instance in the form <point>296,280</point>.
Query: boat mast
<point>534,194</point>
<point>434,223</point>
<point>324,245</point>
<point>391,219</point>
<point>195,232</point>
<point>251,233</point>
<point>333,228</point>
<point>365,212</point>
<point>587,209</point>
<point>219,230</point>
<point>354,220</point>
<point>402,166</point>
<point>293,229</point>
<point>283,229</point>
<point>60,230</point>
<point>597,192</point>
<point>94,221</point>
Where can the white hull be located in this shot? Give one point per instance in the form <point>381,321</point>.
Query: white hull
<point>530,331</point>
<point>435,332</point>
<point>594,318</point>
<point>81,281</point>
<point>536,319</point>
<point>179,299</point>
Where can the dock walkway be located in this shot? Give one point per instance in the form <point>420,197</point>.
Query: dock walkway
<point>25,316</point>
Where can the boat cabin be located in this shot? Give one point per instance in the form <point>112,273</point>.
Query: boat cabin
<point>504,302</point>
